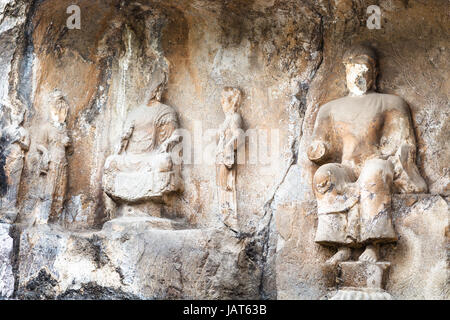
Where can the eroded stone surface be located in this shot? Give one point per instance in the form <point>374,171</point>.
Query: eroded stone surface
<point>286,57</point>
<point>417,271</point>
<point>6,271</point>
<point>419,267</point>
<point>296,251</point>
<point>16,142</point>
<point>136,262</point>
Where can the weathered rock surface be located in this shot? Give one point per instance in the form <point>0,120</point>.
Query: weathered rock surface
<point>298,257</point>
<point>285,56</point>
<point>419,260</point>
<point>133,261</point>
<point>6,253</point>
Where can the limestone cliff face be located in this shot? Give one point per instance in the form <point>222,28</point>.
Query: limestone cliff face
<point>285,56</point>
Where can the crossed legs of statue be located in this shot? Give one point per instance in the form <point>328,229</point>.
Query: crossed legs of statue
<point>354,212</point>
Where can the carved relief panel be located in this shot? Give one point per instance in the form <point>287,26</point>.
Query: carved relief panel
<point>365,146</point>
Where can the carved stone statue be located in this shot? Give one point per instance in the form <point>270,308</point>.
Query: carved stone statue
<point>16,141</point>
<point>366,147</point>
<point>52,145</point>
<point>228,138</point>
<point>141,169</point>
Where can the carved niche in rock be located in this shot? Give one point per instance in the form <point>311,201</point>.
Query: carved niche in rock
<point>142,169</point>
<point>228,139</point>
<point>366,149</point>
<point>16,142</point>
<point>53,141</point>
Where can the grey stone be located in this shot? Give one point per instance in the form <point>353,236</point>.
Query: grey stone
<point>6,270</point>
<point>136,262</point>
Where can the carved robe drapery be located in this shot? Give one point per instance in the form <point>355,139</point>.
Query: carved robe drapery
<point>142,168</point>
<point>53,168</point>
<point>226,168</point>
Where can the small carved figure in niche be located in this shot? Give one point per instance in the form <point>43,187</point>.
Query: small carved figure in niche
<point>142,168</point>
<point>53,167</point>
<point>17,142</point>
<point>366,147</point>
<point>228,139</point>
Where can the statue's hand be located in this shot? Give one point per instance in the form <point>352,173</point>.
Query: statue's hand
<point>323,183</point>
<point>127,134</point>
<point>229,161</point>
<point>317,151</point>
<point>124,138</point>
<point>229,154</point>
<point>170,143</point>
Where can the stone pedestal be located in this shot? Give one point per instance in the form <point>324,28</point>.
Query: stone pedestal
<point>362,281</point>
<point>361,294</point>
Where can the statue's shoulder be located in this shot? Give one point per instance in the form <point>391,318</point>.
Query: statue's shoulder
<point>145,113</point>
<point>155,107</point>
<point>330,105</point>
<point>393,102</point>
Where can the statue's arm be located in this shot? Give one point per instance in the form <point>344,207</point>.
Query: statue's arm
<point>399,146</point>
<point>219,133</point>
<point>233,143</point>
<point>126,135</point>
<point>41,147</point>
<point>320,148</point>
<point>171,142</point>
<point>236,127</point>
